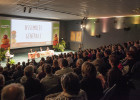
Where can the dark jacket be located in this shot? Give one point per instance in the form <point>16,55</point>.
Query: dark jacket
<point>32,87</point>
<point>92,87</point>
<point>114,75</point>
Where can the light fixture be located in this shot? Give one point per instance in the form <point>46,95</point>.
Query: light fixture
<point>24,9</point>
<point>83,22</point>
<point>30,9</point>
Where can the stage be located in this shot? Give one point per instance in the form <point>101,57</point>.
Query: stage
<point>20,57</point>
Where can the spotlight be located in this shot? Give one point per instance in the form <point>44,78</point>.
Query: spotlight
<point>24,9</point>
<point>30,9</point>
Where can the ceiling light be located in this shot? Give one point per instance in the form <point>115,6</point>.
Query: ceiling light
<point>24,9</point>
<point>30,9</point>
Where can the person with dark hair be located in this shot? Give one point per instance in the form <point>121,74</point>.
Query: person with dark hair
<point>106,58</point>
<point>71,89</point>
<point>90,84</point>
<point>64,68</point>
<point>55,66</point>
<point>85,56</point>
<point>2,82</point>
<point>1,69</point>
<point>93,52</point>
<point>102,66</point>
<point>23,65</point>
<point>129,60</point>
<point>32,86</point>
<point>39,70</point>
<point>50,82</point>
<point>114,74</point>
<point>18,73</point>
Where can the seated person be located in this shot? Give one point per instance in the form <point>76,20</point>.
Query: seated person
<point>41,49</point>
<point>32,86</point>
<point>31,50</point>
<point>90,84</point>
<point>47,49</point>
<point>71,89</point>
<point>50,82</point>
<point>13,91</point>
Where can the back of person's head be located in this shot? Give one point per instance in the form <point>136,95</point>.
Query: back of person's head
<point>79,62</point>
<point>47,68</point>
<point>135,71</point>
<point>88,70</point>
<point>99,55</point>
<point>13,91</point>
<point>107,52</point>
<point>18,63</point>
<point>113,60</point>
<point>131,54</point>
<point>23,63</point>
<point>1,69</point>
<point>28,71</point>
<point>55,63</point>
<point>19,67</point>
<point>79,56</point>
<point>2,80</point>
<point>43,59</point>
<point>70,61</point>
<point>70,83</point>
<point>64,63</point>
<point>133,48</point>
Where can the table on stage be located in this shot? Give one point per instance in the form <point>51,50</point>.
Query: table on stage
<point>40,54</point>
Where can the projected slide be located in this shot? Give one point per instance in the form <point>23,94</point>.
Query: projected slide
<point>25,33</point>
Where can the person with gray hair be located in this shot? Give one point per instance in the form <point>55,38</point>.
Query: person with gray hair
<point>71,89</point>
<point>13,91</point>
<point>63,64</point>
<point>77,70</point>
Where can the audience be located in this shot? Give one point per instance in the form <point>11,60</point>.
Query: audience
<point>112,70</point>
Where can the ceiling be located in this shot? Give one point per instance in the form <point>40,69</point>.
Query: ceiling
<point>69,9</point>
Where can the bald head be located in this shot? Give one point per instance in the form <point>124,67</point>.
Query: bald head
<point>13,91</point>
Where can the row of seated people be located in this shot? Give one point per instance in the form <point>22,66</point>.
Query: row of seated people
<point>106,73</point>
<point>40,49</point>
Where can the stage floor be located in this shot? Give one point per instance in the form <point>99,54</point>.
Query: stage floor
<point>24,57</point>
